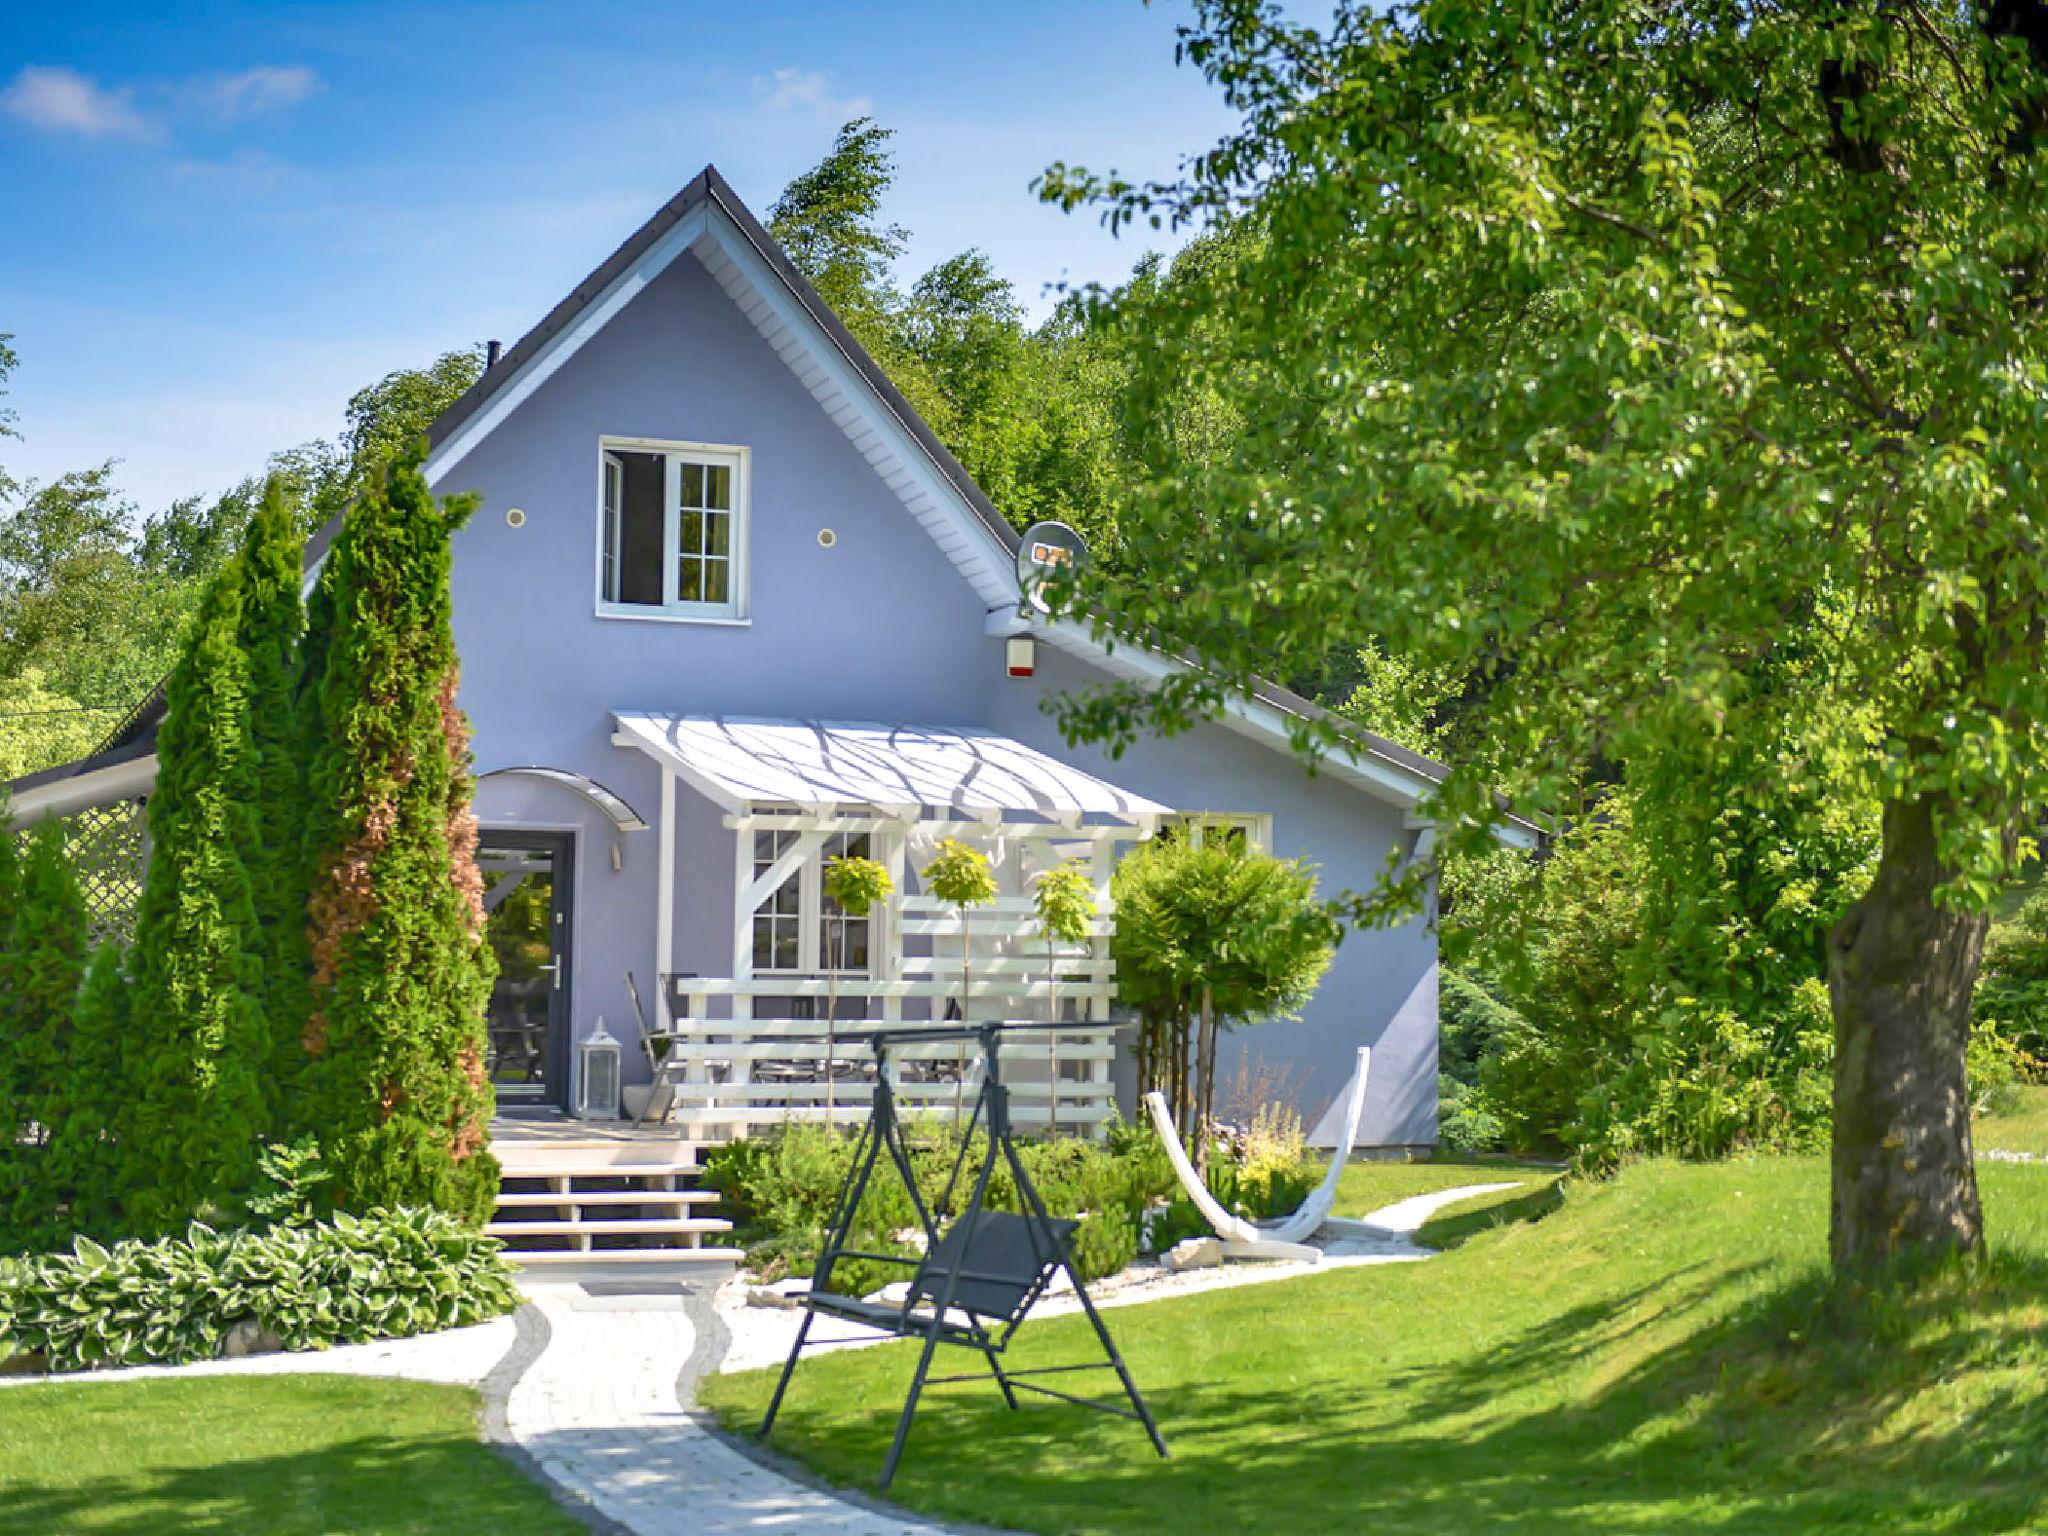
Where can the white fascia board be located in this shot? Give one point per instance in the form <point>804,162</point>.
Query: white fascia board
<point>1248,717</point>
<point>1265,724</point>
<point>104,786</point>
<point>565,344</point>
<point>852,403</point>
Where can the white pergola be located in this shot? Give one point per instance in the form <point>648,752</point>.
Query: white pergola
<point>906,786</point>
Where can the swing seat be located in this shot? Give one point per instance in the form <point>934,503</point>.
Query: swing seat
<point>1002,1267</point>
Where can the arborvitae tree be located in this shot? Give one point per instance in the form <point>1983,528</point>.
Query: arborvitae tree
<point>195,1109</point>
<point>43,963</point>
<point>85,1152</point>
<point>272,624</point>
<point>396,1086</point>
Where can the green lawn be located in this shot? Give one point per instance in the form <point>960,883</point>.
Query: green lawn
<point>1368,1186</point>
<point>275,1455</point>
<point>1656,1355</point>
<point>2026,1131</point>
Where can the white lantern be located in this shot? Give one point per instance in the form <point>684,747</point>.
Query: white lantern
<point>597,1084</point>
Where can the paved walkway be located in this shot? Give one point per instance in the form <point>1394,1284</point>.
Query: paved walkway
<point>595,1394</point>
<point>601,1412</point>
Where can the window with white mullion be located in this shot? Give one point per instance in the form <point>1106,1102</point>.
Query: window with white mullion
<point>672,535</point>
<point>779,926</point>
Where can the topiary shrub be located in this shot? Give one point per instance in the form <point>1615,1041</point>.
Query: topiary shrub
<point>348,1280</point>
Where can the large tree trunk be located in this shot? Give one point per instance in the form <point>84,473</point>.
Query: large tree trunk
<point>1900,973</point>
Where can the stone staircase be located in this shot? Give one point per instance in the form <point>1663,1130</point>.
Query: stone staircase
<point>596,1205</point>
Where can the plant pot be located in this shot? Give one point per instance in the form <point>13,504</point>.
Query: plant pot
<point>637,1096</point>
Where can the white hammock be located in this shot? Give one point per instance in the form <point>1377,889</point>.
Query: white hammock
<point>1283,1238</point>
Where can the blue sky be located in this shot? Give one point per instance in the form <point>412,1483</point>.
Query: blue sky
<point>223,219</point>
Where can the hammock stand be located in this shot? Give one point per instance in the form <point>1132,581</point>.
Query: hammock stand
<point>1285,1237</point>
<point>977,1280</point>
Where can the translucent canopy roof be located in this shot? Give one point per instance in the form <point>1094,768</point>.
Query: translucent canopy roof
<point>745,763</point>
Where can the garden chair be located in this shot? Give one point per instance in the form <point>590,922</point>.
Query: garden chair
<point>979,1279</point>
<point>1287,1237</point>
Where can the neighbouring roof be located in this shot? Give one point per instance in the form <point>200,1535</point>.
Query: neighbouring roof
<point>746,763</point>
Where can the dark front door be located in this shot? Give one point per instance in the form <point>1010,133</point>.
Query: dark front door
<point>529,881</point>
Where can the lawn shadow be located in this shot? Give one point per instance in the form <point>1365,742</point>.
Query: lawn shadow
<point>371,1483</point>
<point>1454,1228</point>
<point>1799,1410</point>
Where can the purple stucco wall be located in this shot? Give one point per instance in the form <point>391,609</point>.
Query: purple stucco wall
<point>880,626</point>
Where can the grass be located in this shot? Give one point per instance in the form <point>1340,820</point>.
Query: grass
<point>1368,1186</point>
<point>1661,1353</point>
<point>279,1455</point>
<point>2026,1131</point>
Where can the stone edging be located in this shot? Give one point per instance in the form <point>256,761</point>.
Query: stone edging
<point>712,1340</point>
<point>528,1345</point>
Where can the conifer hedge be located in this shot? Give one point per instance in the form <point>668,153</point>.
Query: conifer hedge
<point>396,1086</point>
<point>86,1165</point>
<point>41,966</point>
<point>270,631</point>
<point>194,1111</point>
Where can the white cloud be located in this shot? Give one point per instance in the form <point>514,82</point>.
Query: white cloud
<point>800,90</point>
<point>58,100</point>
<point>266,88</point>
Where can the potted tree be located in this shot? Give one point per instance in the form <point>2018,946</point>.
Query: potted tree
<point>854,885</point>
<point>1064,899</point>
<point>960,876</point>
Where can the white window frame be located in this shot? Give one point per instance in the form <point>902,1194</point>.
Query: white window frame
<point>672,610</point>
<point>810,915</point>
<point>1258,826</point>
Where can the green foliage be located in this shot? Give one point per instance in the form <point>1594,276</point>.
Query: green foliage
<point>270,629</point>
<point>1064,899</point>
<point>1244,926</point>
<point>287,1187</point>
<point>960,874</point>
<point>1633,1031</point>
<point>1399,699</point>
<point>1465,1121</point>
<point>781,1190</point>
<point>195,1109</point>
<point>40,727</point>
<point>42,964</point>
<point>401,972</point>
<point>85,1151</point>
<point>855,884</point>
<point>2012,992</point>
<point>385,1275</point>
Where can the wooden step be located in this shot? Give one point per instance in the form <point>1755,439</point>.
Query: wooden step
<point>635,1170</point>
<point>547,1197</point>
<point>650,1226</point>
<point>622,1256</point>
<point>526,1159</point>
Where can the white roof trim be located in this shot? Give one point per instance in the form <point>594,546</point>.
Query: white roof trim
<point>851,402</point>
<point>744,763</point>
<point>83,791</point>
<point>562,346</point>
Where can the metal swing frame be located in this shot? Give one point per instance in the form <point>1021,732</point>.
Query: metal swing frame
<point>977,1308</point>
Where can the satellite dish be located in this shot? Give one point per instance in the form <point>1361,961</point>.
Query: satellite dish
<point>1045,549</point>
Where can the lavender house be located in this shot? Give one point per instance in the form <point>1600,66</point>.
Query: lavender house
<point>730,609</point>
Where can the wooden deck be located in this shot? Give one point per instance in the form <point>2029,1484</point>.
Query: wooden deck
<point>536,1128</point>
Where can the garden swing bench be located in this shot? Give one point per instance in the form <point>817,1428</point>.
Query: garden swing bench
<point>980,1277</point>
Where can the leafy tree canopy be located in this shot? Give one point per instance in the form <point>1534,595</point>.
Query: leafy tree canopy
<point>1600,351</point>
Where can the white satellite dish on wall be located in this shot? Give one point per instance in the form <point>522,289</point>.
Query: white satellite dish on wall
<point>1046,548</point>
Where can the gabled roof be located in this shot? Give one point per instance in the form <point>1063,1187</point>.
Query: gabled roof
<point>708,219</point>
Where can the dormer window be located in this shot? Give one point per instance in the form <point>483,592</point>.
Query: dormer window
<point>672,531</point>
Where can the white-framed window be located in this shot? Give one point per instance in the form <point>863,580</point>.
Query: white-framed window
<point>672,534</point>
<point>797,927</point>
<point>1247,829</point>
